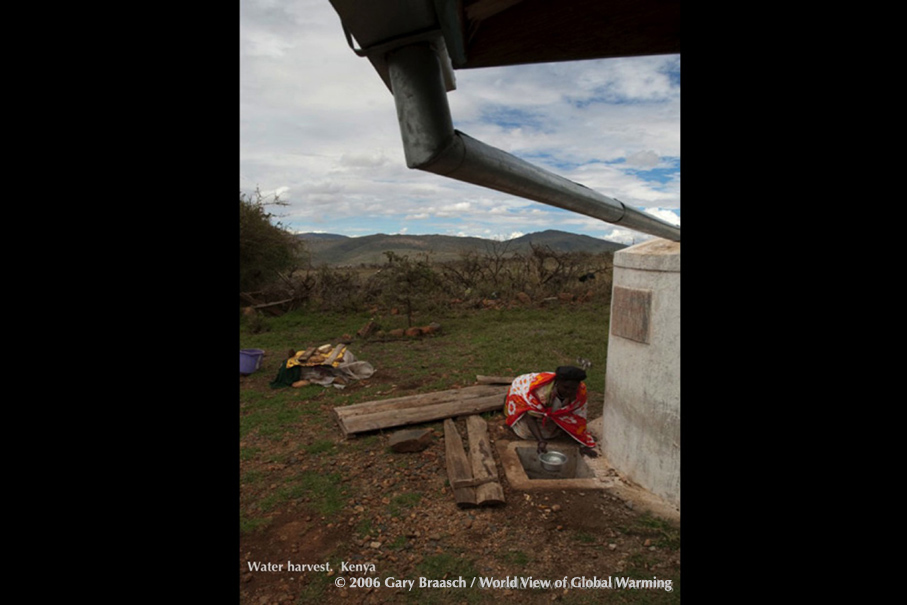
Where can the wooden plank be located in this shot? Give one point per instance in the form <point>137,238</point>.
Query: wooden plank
<point>417,415</point>
<point>420,400</point>
<point>339,350</point>
<point>458,467</point>
<point>482,462</point>
<point>474,482</point>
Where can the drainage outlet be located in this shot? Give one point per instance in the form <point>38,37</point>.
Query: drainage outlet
<point>525,472</point>
<point>574,468</point>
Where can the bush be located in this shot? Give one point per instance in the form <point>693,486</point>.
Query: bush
<point>418,285</point>
<point>265,249</point>
<point>408,283</point>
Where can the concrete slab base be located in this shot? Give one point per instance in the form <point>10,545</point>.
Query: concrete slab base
<point>524,473</point>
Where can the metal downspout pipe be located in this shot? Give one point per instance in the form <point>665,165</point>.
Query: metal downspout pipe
<point>430,143</point>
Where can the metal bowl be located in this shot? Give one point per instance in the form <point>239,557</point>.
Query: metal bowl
<point>552,461</point>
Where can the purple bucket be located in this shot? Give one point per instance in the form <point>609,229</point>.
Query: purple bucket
<point>250,360</point>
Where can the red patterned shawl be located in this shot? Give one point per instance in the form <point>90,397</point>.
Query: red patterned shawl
<point>531,392</point>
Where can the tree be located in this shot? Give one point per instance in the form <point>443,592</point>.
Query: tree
<point>265,248</point>
<point>410,283</point>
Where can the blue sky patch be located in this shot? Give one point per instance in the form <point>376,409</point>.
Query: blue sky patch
<point>657,175</point>
<point>509,118</point>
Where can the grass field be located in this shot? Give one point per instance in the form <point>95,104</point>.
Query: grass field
<point>472,342</point>
<point>310,495</point>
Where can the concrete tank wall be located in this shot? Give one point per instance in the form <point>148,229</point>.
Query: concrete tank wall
<point>641,416</point>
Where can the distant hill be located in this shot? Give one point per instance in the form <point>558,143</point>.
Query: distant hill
<point>335,250</point>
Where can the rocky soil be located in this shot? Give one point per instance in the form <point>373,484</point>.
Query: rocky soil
<point>396,518</point>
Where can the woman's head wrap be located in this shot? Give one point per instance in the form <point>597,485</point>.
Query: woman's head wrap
<point>570,373</point>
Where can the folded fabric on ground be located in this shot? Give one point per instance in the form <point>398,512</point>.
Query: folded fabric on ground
<point>349,369</point>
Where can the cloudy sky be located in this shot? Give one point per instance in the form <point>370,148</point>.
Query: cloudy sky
<point>318,129</point>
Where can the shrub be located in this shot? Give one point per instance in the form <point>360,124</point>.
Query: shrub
<point>265,248</point>
<point>408,283</point>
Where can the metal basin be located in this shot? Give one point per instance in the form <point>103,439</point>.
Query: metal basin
<point>552,461</point>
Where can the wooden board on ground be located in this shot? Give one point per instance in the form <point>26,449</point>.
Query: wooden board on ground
<point>473,476</point>
<point>458,467</point>
<point>417,409</point>
<point>482,461</point>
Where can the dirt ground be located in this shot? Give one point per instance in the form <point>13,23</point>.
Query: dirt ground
<point>545,535</point>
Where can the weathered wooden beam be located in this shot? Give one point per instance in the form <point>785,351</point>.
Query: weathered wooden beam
<point>339,350</point>
<point>420,400</point>
<point>395,417</point>
<point>474,482</point>
<point>482,461</point>
<point>458,467</point>
<point>414,409</point>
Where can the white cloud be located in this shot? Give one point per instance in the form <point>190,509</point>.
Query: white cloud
<point>318,125</point>
<point>664,214</point>
<point>374,159</point>
<point>643,159</point>
<point>625,236</point>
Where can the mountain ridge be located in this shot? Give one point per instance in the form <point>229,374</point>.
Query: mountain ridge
<point>337,250</point>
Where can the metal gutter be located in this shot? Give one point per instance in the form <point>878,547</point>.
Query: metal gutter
<point>431,143</point>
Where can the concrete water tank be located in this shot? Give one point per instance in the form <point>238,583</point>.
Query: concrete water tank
<point>641,415</point>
